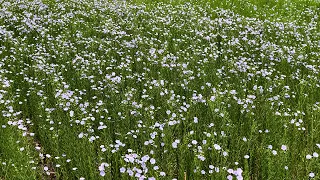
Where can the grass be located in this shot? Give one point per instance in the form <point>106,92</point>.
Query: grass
<point>159,89</point>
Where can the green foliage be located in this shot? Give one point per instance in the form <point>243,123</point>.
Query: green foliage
<point>166,89</point>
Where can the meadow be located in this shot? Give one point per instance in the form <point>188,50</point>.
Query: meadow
<point>141,89</point>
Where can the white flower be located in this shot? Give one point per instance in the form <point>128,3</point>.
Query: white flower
<point>122,170</point>
<point>102,173</point>
<point>225,153</point>
<point>195,120</point>
<point>238,172</point>
<point>308,156</point>
<point>138,175</point>
<point>315,154</point>
<point>92,138</point>
<point>194,142</point>
<point>311,174</point>
<point>174,144</point>
<point>101,167</point>
<point>239,178</point>
<point>274,152</point>
<point>246,156</point>
<point>284,147</point>
<point>71,113</point>
<point>233,92</point>
<point>152,161</point>
<point>80,135</point>
<point>145,158</point>
<point>202,158</point>
<point>217,147</point>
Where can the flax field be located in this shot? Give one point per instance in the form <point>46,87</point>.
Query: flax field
<point>159,89</point>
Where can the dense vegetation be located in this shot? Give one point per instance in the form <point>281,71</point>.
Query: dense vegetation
<point>96,89</point>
